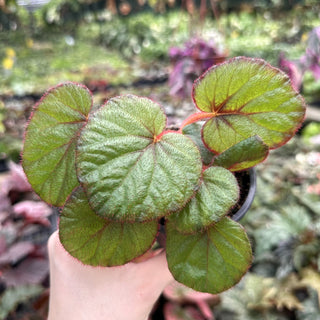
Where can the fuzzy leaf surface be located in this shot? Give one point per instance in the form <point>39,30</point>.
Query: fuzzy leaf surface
<point>193,131</point>
<point>217,194</point>
<point>211,261</point>
<point>247,97</point>
<point>49,149</point>
<point>243,155</point>
<point>97,241</point>
<point>129,172</point>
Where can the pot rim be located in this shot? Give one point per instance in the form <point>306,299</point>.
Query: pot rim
<point>249,199</point>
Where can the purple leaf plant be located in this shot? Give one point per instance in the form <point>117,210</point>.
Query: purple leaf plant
<point>191,61</point>
<point>310,61</point>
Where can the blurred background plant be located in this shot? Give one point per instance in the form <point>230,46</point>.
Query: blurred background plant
<point>305,71</point>
<point>190,61</point>
<point>149,48</point>
<point>145,34</point>
<point>25,226</point>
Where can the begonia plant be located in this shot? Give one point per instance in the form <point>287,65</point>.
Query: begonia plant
<point>116,171</point>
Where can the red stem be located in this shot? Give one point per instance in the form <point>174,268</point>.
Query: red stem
<point>158,137</point>
<point>196,117</point>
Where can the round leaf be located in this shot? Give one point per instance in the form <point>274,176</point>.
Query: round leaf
<point>247,97</point>
<point>193,131</point>
<point>130,169</point>
<point>99,242</point>
<point>211,261</point>
<point>217,194</point>
<point>48,157</point>
<point>243,155</point>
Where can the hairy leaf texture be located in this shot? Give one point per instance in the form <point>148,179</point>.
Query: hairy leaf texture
<point>210,261</point>
<point>217,194</point>
<point>129,167</point>
<point>48,157</point>
<point>246,97</point>
<point>97,241</point>
<point>243,155</point>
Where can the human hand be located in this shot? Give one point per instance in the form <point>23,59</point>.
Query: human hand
<point>78,291</point>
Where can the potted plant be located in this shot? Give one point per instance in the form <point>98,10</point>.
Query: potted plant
<point>116,171</point>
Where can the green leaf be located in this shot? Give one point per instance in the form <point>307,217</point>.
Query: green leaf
<point>310,307</point>
<point>246,97</point>
<point>289,222</point>
<point>131,169</point>
<point>12,297</point>
<point>217,194</point>
<point>309,200</point>
<point>211,261</point>
<point>49,149</point>
<point>193,131</point>
<point>254,295</point>
<point>243,155</point>
<point>97,241</point>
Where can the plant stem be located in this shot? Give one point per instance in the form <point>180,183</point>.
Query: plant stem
<point>158,137</point>
<point>196,117</point>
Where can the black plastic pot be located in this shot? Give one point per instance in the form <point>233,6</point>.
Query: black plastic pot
<point>247,181</point>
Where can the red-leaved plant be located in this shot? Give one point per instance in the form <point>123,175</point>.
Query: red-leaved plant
<point>116,171</point>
